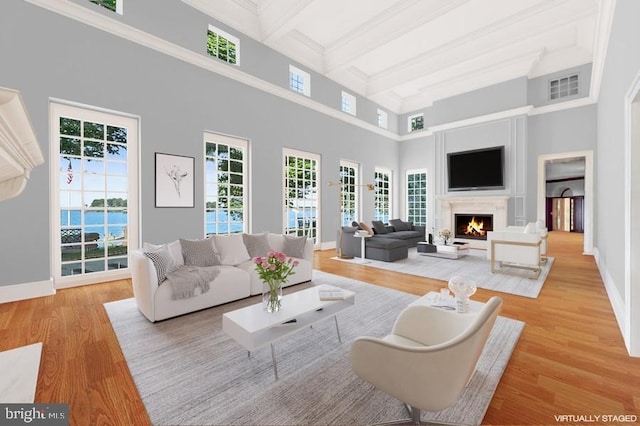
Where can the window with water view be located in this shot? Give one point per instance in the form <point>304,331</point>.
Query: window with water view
<point>225,168</point>
<point>301,193</point>
<point>93,191</point>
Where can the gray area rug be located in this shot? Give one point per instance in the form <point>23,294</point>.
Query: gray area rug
<point>474,266</point>
<point>189,372</point>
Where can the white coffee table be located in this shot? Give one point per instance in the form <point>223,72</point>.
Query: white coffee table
<point>449,251</point>
<point>254,327</point>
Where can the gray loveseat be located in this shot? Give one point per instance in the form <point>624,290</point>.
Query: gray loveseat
<point>387,243</point>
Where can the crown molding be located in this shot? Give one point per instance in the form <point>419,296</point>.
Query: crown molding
<point>560,106</point>
<point>603,32</point>
<point>127,32</point>
<point>104,23</point>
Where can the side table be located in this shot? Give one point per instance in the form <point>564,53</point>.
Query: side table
<point>362,239</point>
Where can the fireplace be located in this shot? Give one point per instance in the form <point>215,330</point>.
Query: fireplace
<point>473,226</point>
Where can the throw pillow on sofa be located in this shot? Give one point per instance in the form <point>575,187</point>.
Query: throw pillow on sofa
<point>199,253</point>
<point>174,249</point>
<point>294,246</point>
<point>399,225</point>
<point>365,227</point>
<point>231,249</point>
<point>162,261</point>
<point>257,244</point>
<point>378,227</point>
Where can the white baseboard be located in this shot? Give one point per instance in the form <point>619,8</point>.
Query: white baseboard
<point>617,301</point>
<point>15,292</point>
<point>328,245</point>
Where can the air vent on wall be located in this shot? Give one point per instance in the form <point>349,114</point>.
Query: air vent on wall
<point>563,87</point>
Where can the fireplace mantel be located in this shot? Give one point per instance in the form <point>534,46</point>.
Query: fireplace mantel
<point>494,205</point>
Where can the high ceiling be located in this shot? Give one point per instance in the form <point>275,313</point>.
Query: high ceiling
<point>406,54</point>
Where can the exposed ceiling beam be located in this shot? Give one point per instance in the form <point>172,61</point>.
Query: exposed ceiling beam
<point>398,20</point>
<point>477,44</point>
<point>277,18</point>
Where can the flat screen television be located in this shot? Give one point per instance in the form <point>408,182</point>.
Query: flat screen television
<point>479,169</point>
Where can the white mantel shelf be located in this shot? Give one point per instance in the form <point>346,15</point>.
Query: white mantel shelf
<point>498,206</point>
<point>19,149</point>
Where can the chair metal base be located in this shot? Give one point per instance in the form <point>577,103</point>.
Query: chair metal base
<point>414,418</point>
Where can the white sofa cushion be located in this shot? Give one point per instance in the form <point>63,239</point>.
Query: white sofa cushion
<point>231,249</point>
<point>174,248</point>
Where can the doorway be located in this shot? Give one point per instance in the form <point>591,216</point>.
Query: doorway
<point>568,175</point>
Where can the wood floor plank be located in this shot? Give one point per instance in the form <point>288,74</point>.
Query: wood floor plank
<point>571,358</point>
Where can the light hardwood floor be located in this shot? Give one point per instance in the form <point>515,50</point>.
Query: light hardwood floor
<point>570,359</point>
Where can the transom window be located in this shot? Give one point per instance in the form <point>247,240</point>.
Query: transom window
<point>348,192</point>
<point>226,180</point>
<point>563,87</point>
<point>348,103</point>
<point>382,200</point>
<point>95,187</point>
<point>417,197</point>
<point>112,5</point>
<point>299,81</point>
<point>383,119</point>
<point>416,122</point>
<point>301,193</point>
<point>223,46</point>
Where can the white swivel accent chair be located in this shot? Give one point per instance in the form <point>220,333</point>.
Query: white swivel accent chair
<point>429,357</point>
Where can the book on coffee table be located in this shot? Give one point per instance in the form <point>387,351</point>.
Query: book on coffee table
<point>331,294</point>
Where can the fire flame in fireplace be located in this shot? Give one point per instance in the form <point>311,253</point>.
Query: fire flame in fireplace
<point>475,229</point>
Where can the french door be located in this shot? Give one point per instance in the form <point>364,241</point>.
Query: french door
<point>94,194</point>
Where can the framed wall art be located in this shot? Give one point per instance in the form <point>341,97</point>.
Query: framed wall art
<point>175,183</point>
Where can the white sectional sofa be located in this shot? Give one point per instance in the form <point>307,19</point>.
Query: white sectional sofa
<point>236,277</point>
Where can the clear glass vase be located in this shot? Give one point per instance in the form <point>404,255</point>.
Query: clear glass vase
<point>272,295</point>
<point>463,288</point>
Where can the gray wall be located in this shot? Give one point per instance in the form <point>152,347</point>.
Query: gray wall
<point>499,97</point>
<point>185,26</point>
<point>557,132</point>
<point>621,67</point>
<point>48,56</point>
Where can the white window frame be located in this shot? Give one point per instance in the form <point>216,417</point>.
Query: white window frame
<point>306,80</point>
<point>305,222</point>
<point>389,196</point>
<point>347,189</point>
<point>229,37</point>
<point>411,216</point>
<point>383,119</point>
<point>119,6</point>
<point>348,103</point>
<point>58,109</point>
<point>210,185</point>
<point>410,120</point>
